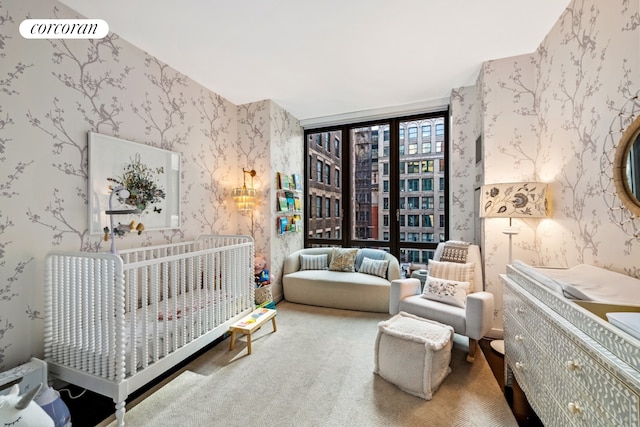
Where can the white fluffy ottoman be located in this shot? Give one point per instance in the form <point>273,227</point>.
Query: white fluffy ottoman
<point>413,353</point>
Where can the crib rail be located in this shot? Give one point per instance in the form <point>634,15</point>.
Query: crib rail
<point>113,315</point>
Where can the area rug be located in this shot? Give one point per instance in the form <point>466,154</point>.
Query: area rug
<point>317,370</point>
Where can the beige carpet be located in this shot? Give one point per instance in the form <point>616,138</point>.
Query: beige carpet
<point>317,370</point>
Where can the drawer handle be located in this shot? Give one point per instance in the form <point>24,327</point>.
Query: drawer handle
<point>519,337</point>
<point>519,310</point>
<point>519,365</point>
<point>573,365</point>
<point>574,408</point>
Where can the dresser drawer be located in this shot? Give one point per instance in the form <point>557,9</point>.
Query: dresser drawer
<point>609,395</point>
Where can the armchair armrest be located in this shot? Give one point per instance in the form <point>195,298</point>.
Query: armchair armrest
<point>479,314</point>
<point>401,289</point>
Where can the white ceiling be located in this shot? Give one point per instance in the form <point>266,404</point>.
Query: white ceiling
<point>329,57</point>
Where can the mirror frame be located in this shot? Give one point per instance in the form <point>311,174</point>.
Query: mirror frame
<point>620,166</point>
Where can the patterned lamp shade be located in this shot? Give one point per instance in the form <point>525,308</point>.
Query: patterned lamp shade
<point>514,200</point>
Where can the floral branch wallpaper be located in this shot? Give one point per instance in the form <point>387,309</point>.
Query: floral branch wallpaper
<point>546,117</point>
<point>52,92</point>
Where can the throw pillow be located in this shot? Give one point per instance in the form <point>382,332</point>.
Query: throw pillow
<point>374,267</point>
<point>343,259</point>
<point>450,292</point>
<point>314,262</point>
<point>455,251</point>
<point>368,253</point>
<point>453,271</point>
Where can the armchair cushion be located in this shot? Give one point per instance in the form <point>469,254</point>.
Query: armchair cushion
<point>453,271</point>
<point>450,292</point>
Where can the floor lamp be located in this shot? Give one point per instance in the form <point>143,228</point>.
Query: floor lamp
<point>513,200</point>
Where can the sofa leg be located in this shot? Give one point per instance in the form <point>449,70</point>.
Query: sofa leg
<point>473,346</point>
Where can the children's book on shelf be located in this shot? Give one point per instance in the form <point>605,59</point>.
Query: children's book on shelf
<point>290,202</point>
<point>297,181</point>
<point>297,203</point>
<point>284,224</point>
<point>283,205</point>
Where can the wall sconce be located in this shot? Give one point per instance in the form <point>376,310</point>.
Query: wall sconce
<point>244,197</point>
<point>514,200</point>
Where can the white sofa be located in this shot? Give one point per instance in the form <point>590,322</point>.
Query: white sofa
<point>337,289</point>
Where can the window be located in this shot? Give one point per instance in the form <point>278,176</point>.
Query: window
<point>426,133</point>
<point>318,206</point>
<point>427,184</point>
<point>427,202</point>
<point>441,202</point>
<point>388,192</point>
<point>413,202</point>
<point>439,146</point>
<point>413,167</point>
<point>413,133</point>
<point>442,165</point>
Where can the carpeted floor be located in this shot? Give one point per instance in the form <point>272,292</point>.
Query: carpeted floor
<point>316,370</point>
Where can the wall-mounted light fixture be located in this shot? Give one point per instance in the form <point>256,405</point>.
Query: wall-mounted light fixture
<point>244,197</point>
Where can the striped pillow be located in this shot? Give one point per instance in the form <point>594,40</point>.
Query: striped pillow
<point>374,267</point>
<point>453,271</point>
<point>314,262</point>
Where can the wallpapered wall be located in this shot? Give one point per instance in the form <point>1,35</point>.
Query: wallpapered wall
<point>52,92</point>
<point>547,116</point>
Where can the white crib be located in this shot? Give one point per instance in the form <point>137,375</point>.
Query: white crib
<point>115,322</point>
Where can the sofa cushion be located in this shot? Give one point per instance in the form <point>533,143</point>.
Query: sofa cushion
<point>453,271</point>
<point>374,267</point>
<point>374,254</point>
<point>314,262</point>
<point>343,259</point>
<point>450,292</point>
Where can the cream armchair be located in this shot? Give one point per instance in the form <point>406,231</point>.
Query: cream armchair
<point>472,321</point>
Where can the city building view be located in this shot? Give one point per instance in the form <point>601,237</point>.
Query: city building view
<point>366,210</point>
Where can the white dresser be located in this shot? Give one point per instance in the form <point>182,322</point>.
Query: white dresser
<point>575,368</point>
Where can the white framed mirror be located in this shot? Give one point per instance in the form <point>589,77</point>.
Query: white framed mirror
<point>108,158</point>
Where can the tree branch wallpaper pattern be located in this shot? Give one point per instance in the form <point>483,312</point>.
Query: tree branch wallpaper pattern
<point>546,117</point>
<point>52,92</point>
<point>542,116</point>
